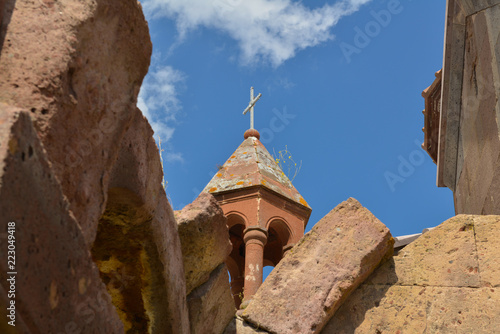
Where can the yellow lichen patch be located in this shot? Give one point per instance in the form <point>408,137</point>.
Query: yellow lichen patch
<point>53,298</point>
<point>13,146</point>
<point>219,174</point>
<point>240,183</point>
<point>229,161</point>
<point>303,201</point>
<point>233,157</point>
<point>148,290</point>
<point>245,152</point>
<point>231,175</point>
<point>108,266</point>
<point>82,285</point>
<point>213,189</point>
<point>263,182</point>
<point>128,265</point>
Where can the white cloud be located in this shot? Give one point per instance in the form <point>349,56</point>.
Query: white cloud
<point>266,30</point>
<point>158,101</point>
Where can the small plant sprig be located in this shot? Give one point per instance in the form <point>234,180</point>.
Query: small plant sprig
<point>240,295</point>
<point>285,161</point>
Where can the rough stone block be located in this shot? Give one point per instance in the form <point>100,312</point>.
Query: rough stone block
<point>79,83</point>
<point>380,309</point>
<point>432,285</point>
<point>417,309</point>
<point>137,247</point>
<point>445,256</point>
<point>463,310</point>
<point>311,282</point>
<point>487,235</point>
<point>211,306</point>
<point>204,238</point>
<point>57,286</point>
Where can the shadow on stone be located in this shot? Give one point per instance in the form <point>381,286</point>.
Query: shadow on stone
<point>362,301</point>
<point>6,10</point>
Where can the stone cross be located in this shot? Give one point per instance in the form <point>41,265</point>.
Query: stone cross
<point>250,106</point>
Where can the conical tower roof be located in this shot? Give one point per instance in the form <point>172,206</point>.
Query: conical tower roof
<point>251,165</point>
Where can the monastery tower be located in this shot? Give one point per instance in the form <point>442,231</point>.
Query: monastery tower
<point>266,214</point>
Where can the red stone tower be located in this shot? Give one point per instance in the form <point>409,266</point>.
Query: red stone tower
<point>266,214</point>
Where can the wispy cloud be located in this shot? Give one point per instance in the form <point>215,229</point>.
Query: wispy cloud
<point>269,31</point>
<point>159,102</point>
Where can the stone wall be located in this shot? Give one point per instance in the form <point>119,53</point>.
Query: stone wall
<point>478,163</point>
<point>469,146</point>
<point>446,281</point>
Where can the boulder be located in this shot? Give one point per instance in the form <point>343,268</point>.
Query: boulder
<point>446,281</point>
<point>54,284</point>
<point>211,305</point>
<point>76,66</point>
<point>318,274</point>
<point>137,247</point>
<point>204,238</point>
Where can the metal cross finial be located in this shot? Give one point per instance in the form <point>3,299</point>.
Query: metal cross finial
<point>250,106</point>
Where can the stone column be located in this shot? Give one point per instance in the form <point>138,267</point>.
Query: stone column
<point>255,239</point>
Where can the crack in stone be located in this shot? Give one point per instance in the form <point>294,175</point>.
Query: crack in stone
<point>476,252</point>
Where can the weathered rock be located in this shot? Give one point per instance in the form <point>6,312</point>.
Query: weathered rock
<point>487,236</point>
<point>311,282</point>
<point>80,84</point>
<point>443,282</point>
<point>137,247</point>
<point>77,66</point>
<point>445,257</point>
<point>211,305</point>
<point>57,286</point>
<point>204,238</point>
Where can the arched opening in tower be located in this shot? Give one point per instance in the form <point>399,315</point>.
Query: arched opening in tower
<point>278,237</point>
<point>236,260</point>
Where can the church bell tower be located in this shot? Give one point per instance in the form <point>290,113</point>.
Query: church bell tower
<point>266,214</point>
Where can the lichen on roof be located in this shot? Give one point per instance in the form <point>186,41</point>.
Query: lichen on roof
<point>252,165</point>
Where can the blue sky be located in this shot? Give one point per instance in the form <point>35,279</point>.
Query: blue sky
<point>341,85</point>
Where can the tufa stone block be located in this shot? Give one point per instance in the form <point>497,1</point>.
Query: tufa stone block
<point>311,282</point>
<point>137,247</point>
<point>79,84</point>
<point>57,286</point>
<point>204,239</point>
<point>445,257</point>
<point>211,306</point>
<point>443,282</point>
